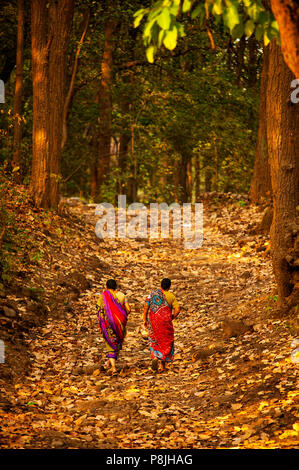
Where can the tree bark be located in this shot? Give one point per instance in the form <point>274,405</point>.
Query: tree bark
<point>197,176</point>
<point>208,174</point>
<point>253,46</point>
<point>102,166</point>
<point>17,111</point>
<point>40,181</point>
<point>60,23</point>
<point>283,148</point>
<point>182,177</point>
<point>261,181</point>
<point>124,144</point>
<point>51,26</point>
<point>286,13</point>
<point>125,137</point>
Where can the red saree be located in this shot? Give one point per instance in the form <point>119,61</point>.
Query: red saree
<point>161,332</point>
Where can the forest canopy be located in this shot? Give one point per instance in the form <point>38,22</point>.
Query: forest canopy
<point>152,155</point>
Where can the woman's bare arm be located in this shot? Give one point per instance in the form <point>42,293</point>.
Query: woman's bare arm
<point>145,312</point>
<point>175,313</point>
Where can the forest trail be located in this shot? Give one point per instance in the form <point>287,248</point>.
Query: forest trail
<point>221,391</point>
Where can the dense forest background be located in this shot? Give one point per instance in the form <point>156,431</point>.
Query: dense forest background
<point>180,126</point>
<point>159,101</point>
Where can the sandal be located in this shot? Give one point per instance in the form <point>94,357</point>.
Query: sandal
<point>155,364</point>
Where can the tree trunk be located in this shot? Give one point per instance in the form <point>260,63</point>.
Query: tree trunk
<point>124,143</point>
<point>216,161</point>
<point>240,59</point>
<point>40,181</point>
<point>283,148</point>
<point>286,13</point>
<point>182,177</point>
<point>253,46</point>
<point>60,24</point>
<point>51,26</point>
<point>133,183</point>
<point>105,110</point>
<point>197,176</point>
<point>208,173</point>
<point>261,181</point>
<point>17,111</point>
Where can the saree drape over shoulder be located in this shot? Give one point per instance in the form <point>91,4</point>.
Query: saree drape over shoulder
<point>161,332</point>
<point>112,318</point>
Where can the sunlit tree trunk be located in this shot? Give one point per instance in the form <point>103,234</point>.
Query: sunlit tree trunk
<point>261,181</point>
<point>40,174</point>
<point>283,148</point>
<point>50,29</point>
<point>17,111</point>
<point>286,13</point>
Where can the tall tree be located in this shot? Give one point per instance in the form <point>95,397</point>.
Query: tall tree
<point>101,164</point>
<point>283,149</point>
<point>17,110</point>
<point>286,13</point>
<point>51,27</point>
<point>60,23</point>
<point>261,181</point>
<point>40,173</point>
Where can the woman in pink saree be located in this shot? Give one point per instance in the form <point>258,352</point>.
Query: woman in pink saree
<point>113,309</point>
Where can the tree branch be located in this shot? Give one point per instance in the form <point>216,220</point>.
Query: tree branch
<point>70,93</point>
<point>136,63</point>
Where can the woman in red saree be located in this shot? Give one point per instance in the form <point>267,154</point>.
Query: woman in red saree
<point>160,309</point>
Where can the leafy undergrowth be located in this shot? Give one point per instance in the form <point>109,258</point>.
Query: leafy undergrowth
<point>227,387</point>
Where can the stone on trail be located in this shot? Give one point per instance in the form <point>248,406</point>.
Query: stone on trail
<point>233,328</point>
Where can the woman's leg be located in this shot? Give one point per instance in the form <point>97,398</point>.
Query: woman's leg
<point>112,363</point>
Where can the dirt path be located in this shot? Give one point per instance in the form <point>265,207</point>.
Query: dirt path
<point>221,390</point>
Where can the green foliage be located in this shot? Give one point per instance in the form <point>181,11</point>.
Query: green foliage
<point>238,17</point>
